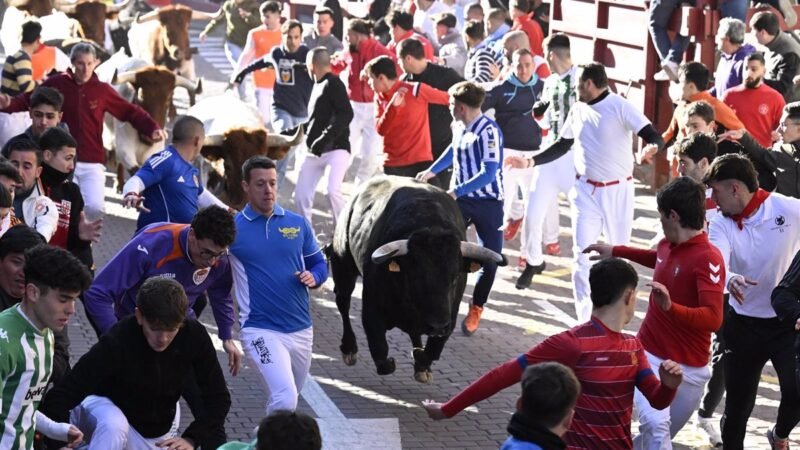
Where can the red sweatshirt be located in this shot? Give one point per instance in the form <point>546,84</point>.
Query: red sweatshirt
<point>609,365</point>
<point>759,109</point>
<point>410,34</point>
<point>84,109</point>
<point>694,274</point>
<point>406,136</point>
<point>357,88</point>
<point>533,30</point>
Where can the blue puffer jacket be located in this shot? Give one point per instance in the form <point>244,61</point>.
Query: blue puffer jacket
<point>513,102</point>
<point>513,443</point>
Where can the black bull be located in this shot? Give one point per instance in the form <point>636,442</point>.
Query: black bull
<point>408,242</point>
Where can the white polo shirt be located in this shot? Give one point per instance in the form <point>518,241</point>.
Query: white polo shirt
<point>761,251</point>
<point>603,134</point>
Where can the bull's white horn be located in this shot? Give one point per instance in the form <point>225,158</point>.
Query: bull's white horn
<point>386,251</point>
<point>480,253</point>
<point>119,6</point>
<point>186,83</point>
<point>279,140</point>
<point>214,140</point>
<point>124,77</point>
<point>152,15</point>
<point>200,15</point>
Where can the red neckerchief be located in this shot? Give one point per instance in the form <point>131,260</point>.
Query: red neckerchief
<point>755,202</point>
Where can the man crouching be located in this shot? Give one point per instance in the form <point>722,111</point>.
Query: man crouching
<point>123,393</point>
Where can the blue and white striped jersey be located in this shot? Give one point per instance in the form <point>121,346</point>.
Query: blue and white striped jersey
<point>480,141</point>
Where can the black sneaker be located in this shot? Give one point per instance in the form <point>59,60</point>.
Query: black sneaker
<point>524,280</point>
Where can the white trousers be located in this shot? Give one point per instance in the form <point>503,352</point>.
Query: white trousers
<point>541,215</point>
<point>311,173</point>
<point>283,360</point>
<point>12,125</point>
<point>105,427</point>
<point>515,180</point>
<point>91,178</point>
<point>597,210</point>
<point>657,428</point>
<point>264,102</point>
<point>364,137</point>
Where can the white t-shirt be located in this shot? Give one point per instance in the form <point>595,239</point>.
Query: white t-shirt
<point>603,137</point>
<point>423,20</point>
<point>761,251</point>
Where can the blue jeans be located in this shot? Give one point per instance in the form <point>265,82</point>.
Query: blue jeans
<point>660,14</point>
<point>736,9</point>
<point>282,121</point>
<point>487,216</point>
<point>233,52</point>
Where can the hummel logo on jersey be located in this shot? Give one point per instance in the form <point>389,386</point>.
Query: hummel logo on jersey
<point>659,260</point>
<point>181,180</point>
<point>4,334</point>
<point>714,275</point>
<point>142,249</point>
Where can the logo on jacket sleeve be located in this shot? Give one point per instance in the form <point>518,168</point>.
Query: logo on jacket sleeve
<point>289,232</point>
<point>714,272</point>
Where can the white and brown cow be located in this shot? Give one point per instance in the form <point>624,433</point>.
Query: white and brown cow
<point>235,132</point>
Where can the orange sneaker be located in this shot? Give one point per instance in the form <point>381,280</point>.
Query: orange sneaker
<point>470,324</point>
<point>553,249</point>
<point>512,226</point>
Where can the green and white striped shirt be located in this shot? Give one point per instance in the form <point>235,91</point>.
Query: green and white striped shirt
<point>26,362</point>
<point>559,90</point>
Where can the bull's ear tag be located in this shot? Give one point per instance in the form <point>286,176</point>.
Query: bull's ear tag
<point>474,267</point>
<point>394,267</point>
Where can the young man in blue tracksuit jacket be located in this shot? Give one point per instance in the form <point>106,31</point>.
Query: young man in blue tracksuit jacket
<point>275,260</point>
<point>513,101</point>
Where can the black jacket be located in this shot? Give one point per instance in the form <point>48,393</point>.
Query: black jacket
<point>328,128</point>
<point>439,118</point>
<point>783,63</point>
<point>782,160</point>
<point>143,383</point>
<point>67,197</point>
<point>786,296</point>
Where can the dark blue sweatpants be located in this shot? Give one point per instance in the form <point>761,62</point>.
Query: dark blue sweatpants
<point>487,216</point>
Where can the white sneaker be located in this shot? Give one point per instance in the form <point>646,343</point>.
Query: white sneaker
<point>709,428</point>
<point>671,69</point>
<point>661,76</point>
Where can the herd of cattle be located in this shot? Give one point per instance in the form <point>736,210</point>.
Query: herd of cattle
<point>396,233</point>
<point>146,54</point>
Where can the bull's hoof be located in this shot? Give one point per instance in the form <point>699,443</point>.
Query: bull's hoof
<point>425,376</point>
<point>350,358</point>
<point>385,367</point>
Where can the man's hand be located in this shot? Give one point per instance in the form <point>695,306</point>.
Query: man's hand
<point>159,135</point>
<point>797,325</point>
<point>175,443</point>
<point>202,37</point>
<point>399,97</point>
<point>494,70</point>
<point>737,286</point>
<point>425,176</point>
<point>645,155</point>
<point>603,251</point>
<point>775,136</point>
<point>234,356</point>
<point>5,101</point>
<point>244,14</point>
<point>661,295</point>
<point>731,135</point>
<point>517,162</point>
<point>796,79</point>
<point>134,200</point>
<point>74,437</point>
<point>434,409</point>
<point>306,278</point>
<point>89,231</point>
<point>670,373</point>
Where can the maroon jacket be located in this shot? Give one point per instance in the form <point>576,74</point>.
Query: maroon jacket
<point>84,108</point>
